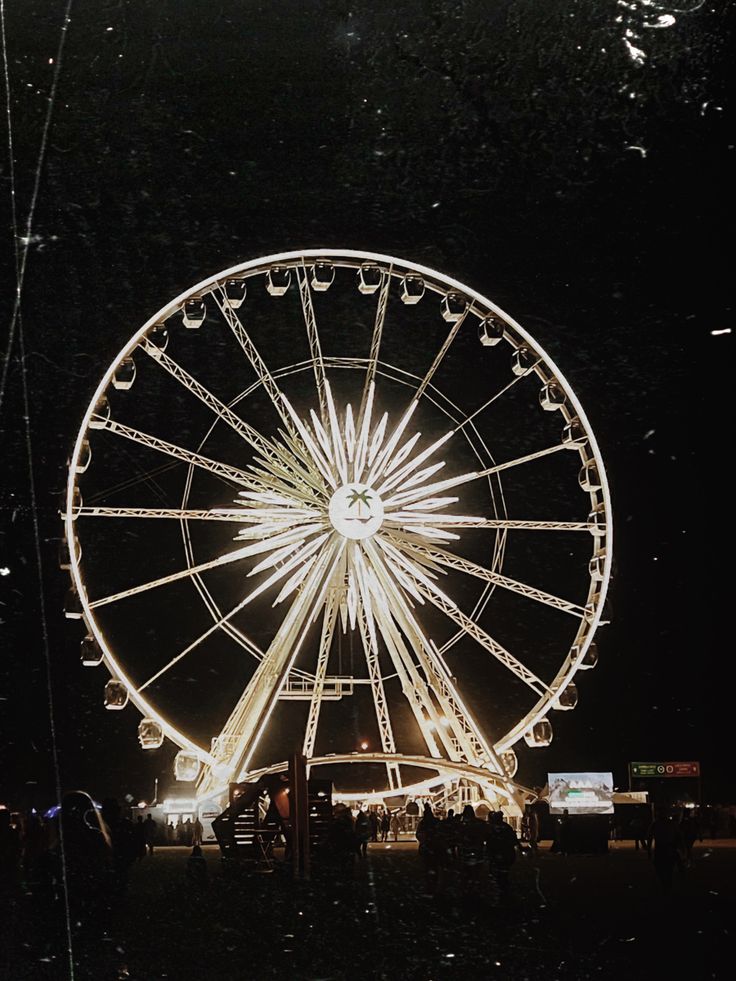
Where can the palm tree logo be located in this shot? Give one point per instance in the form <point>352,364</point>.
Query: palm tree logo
<point>360,497</point>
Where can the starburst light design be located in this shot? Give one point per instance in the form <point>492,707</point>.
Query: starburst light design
<point>372,576</point>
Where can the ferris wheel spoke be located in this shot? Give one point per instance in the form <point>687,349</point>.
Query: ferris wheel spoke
<point>440,356</point>
<point>288,539</point>
<point>278,399</point>
<point>472,629</point>
<point>367,630</point>
<point>413,686</point>
<point>301,554</point>
<point>444,558</point>
<point>366,398</point>
<point>236,515</point>
<point>222,470</point>
<point>506,388</point>
<point>310,322</point>
<point>468,740</point>
<point>278,462</point>
<point>323,657</point>
<point>411,521</point>
<point>242,732</point>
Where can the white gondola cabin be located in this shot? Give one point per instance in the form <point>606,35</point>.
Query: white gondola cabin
<point>186,766</point>
<point>539,735</point>
<point>369,278</point>
<point>278,281</point>
<point>412,289</point>
<point>194,313</point>
<point>323,276</point>
<point>150,734</point>
<point>116,695</point>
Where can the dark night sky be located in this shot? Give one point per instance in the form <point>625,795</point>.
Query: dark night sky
<point>565,158</point>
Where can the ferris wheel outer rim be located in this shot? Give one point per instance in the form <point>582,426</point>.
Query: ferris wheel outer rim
<point>568,670</point>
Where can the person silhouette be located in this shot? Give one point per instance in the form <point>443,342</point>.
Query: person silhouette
<point>80,866</point>
<point>666,839</point>
<point>196,874</point>
<point>362,832</point>
<point>149,830</point>
<point>501,847</point>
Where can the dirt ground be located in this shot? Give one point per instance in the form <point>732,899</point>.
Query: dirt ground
<point>568,917</point>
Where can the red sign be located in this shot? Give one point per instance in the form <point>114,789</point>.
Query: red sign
<point>665,769</point>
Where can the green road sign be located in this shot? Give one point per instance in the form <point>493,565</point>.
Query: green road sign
<point>691,769</point>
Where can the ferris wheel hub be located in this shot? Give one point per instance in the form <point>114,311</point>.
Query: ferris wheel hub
<point>356,511</point>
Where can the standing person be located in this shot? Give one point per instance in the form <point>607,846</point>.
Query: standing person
<point>532,827</point>
<point>664,835</point>
<point>124,845</point>
<point>501,845</point>
<point>362,832</point>
<point>139,836</point>
<point>690,830</point>
<point>197,831</point>
<point>385,825</point>
<point>432,848</point>
<point>83,872</point>
<point>395,825</point>
<point>197,869</point>
<point>373,818</point>
<point>637,833</point>
<point>472,833</point>
<point>149,833</point>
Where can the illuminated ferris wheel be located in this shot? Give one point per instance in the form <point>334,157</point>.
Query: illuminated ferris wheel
<point>338,500</point>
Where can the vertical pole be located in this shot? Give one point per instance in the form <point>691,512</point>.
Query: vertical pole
<point>299,815</point>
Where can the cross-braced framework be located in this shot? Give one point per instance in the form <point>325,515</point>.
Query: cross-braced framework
<point>346,518</point>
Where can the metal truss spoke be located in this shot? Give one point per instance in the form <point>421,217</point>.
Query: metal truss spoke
<point>264,545</point>
<point>370,374</point>
<point>440,356</point>
<point>469,740</point>
<point>222,470</point>
<point>439,555</point>
<point>409,520</point>
<point>323,656</point>
<point>310,322</point>
<point>240,736</point>
<point>413,686</point>
<point>485,640</point>
<point>300,555</point>
<point>367,630</point>
<point>275,458</point>
<point>288,517</point>
<point>277,397</point>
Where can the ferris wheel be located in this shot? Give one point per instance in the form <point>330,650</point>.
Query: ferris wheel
<point>338,500</point>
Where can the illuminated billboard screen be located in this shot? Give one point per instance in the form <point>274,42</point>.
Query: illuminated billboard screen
<point>580,793</point>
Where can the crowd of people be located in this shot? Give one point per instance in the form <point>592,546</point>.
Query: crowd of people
<point>88,851</point>
<point>448,844</point>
